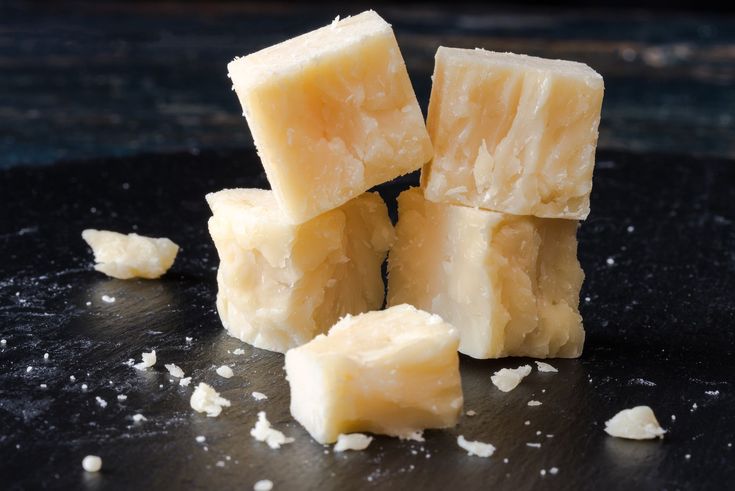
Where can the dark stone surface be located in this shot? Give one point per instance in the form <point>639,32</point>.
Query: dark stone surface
<point>659,322</point>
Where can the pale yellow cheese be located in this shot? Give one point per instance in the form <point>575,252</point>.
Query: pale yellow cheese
<point>130,256</point>
<point>281,284</point>
<point>509,283</point>
<point>332,113</point>
<point>513,133</point>
<point>393,372</point>
<point>638,423</point>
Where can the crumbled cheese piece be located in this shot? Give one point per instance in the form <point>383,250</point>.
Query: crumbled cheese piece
<point>101,402</point>
<point>188,339</point>
<point>527,423</point>
<point>476,448</point>
<point>688,456</point>
<point>92,463</point>
<point>108,299</point>
<point>263,432</point>
<point>238,351</point>
<point>416,436</point>
<point>533,444</point>
<point>174,370</point>
<point>471,412</point>
<point>353,441</point>
<point>137,418</point>
<point>630,229</point>
<point>45,356</point>
<point>3,342</point>
<point>554,471</point>
<point>263,485</point>
<point>638,423</point>
<point>206,399</point>
<point>184,382</point>
<point>542,472</point>
<point>220,463</point>
<point>84,386</point>
<point>200,439</point>
<point>43,386</point>
<point>130,362</point>
<point>534,403</point>
<point>130,256</point>
<point>508,379</point>
<point>225,371</point>
<point>259,396</point>
<point>610,261</point>
<point>545,367</point>
<point>149,359</point>
<point>712,392</point>
<point>121,397</point>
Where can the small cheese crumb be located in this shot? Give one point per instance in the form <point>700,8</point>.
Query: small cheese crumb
<point>84,386</point>
<point>610,261</point>
<point>174,370</point>
<point>533,445</point>
<point>101,402</point>
<point>92,463</point>
<point>206,399</point>
<point>200,439</point>
<point>475,448</point>
<point>220,463</point>
<point>188,339</point>
<point>29,369</point>
<point>184,382</point>
<point>554,471</point>
<point>542,472</point>
<point>416,436</point>
<point>43,386</point>
<point>471,412</point>
<point>527,423</point>
<point>263,485</point>
<point>259,396</point>
<point>545,367</point>
<point>108,299</point>
<point>149,359</point>
<point>712,392</point>
<point>225,371</point>
<point>638,423</point>
<point>121,397</point>
<point>508,379</point>
<point>45,356</point>
<point>263,432</point>
<point>137,418</point>
<point>630,229</point>
<point>353,441</point>
<point>688,456</point>
<point>238,351</point>
<point>3,342</point>
<point>534,403</point>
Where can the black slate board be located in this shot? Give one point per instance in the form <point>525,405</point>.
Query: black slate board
<point>659,322</point>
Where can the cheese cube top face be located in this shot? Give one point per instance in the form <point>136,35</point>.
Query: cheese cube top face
<point>332,113</point>
<point>509,283</point>
<point>392,372</point>
<point>280,284</point>
<point>513,133</point>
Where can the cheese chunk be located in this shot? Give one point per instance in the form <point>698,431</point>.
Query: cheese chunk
<point>509,283</point>
<point>130,256</point>
<point>638,423</point>
<point>281,284</point>
<point>332,113</point>
<point>393,372</point>
<point>513,133</point>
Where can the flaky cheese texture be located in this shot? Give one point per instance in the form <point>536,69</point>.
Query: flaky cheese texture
<point>392,372</point>
<point>130,256</point>
<point>281,284</point>
<point>513,133</point>
<point>332,113</point>
<point>509,283</point>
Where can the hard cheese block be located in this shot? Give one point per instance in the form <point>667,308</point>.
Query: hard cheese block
<point>509,283</point>
<point>332,113</point>
<point>513,133</point>
<point>393,372</point>
<point>281,284</point>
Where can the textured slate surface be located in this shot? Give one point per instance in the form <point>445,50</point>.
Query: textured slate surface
<point>659,324</point>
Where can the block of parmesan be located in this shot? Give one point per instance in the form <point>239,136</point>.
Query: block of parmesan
<point>281,284</point>
<point>513,133</point>
<point>130,256</point>
<point>393,372</point>
<point>509,283</point>
<point>332,113</point>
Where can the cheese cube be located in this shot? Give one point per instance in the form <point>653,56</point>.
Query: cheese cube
<point>281,284</point>
<point>513,133</point>
<point>393,372</point>
<point>509,283</point>
<point>332,113</point>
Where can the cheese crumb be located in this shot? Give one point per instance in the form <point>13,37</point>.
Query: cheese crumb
<point>188,339</point>
<point>149,359</point>
<point>471,412</point>
<point>43,386</point>
<point>476,448</point>
<point>416,436</point>
<point>206,399</point>
<point>3,342</point>
<point>534,403</point>
<point>84,386</point>
<point>554,471</point>
<point>545,367</point>
<point>225,371</point>
<point>108,299</point>
<point>121,397</point>
<point>263,485</point>
<point>200,439</point>
<point>353,441</point>
<point>130,256</point>
<point>238,351</point>
<point>137,418</point>
<point>174,370</point>
<point>92,463</point>
<point>29,369</point>
<point>45,356</point>
<point>259,396</point>
<point>184,382</point>
<point>101,402</point>
<point>712,392</point>
<point>610,261</point>
<point>638,423</point>
<point>263,432</point>
<point>508,379</point>
<point>533,445</point>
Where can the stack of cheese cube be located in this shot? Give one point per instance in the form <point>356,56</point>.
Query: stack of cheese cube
<point>489,240</point>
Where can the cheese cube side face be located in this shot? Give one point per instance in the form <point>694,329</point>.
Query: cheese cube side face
<point>280,284</point>
<point>509,283</point>
<point>391,372</point>
<point>332,113</point>
<point>513,133</point>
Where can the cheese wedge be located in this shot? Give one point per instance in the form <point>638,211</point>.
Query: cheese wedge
<point>393,372</point>
<point>513,133</point>
<point>332,113</point>
<point>281,284</point>
<point>509,283</point>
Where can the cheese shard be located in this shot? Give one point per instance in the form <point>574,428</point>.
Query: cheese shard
<point>507,379</point>
<point>353,441</point>
<point>281,284</point>
<point>509,283</point>
<point>513,133</point>
<point>207,400</point>
<point>130,256</point>
<point>479,449</point>
<point>392,372</point>
<point>332,113</point>
<point>638,423</point>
